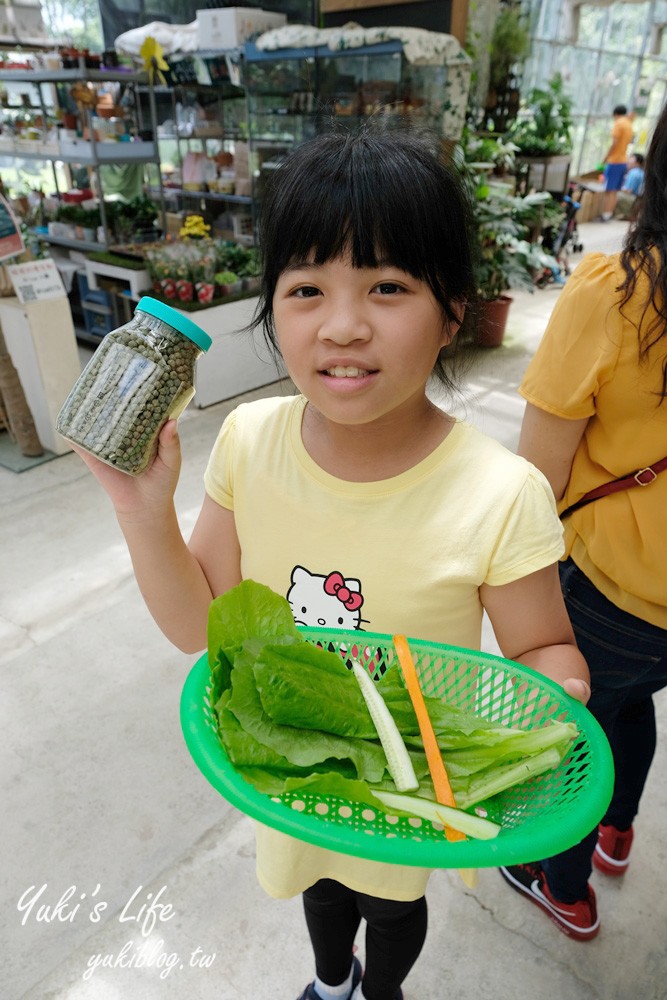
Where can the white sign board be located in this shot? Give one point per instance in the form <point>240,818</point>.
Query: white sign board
<point>36,280</point>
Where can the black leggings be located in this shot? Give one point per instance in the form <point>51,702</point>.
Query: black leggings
<point>395,934</point>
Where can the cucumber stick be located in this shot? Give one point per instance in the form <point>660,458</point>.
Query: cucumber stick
<point>398,759</point>
<point>472,826</point>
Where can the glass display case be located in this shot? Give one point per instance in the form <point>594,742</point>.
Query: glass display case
<point>294,94</point>
<point>226,119</point>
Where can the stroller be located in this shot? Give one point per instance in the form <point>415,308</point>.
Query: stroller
<point>565,240</point>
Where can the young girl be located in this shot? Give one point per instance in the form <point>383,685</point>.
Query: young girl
<point>358,499</point>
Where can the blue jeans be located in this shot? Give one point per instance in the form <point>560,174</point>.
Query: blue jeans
<point>627,658</point>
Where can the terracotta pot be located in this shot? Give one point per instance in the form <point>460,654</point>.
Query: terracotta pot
<point>492,321</point>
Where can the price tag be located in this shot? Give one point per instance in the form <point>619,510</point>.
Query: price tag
<point>36,280</point>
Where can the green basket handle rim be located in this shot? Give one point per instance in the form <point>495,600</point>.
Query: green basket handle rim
<point>512,846</point>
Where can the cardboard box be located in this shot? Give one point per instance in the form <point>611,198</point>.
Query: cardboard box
<point>174,221</point>
<point>230,27</point>
<point>591,198</point>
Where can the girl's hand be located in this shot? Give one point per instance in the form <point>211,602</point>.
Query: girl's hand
<point>578,689</point>
<point>150,492</point>
<point>532,626</point>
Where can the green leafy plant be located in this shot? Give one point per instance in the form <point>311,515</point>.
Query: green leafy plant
<point>495,150</point>
<point>544,124</point>
<point>92,218</point>
<point>509,44</point>
<point>505,260</point>
<point>226,278</point>
<point>71,213</point>
<point>127,218</point>
<point>243,261</point>
<point>502,224</point>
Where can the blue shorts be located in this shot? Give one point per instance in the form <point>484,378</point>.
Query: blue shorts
<point>613,176</point>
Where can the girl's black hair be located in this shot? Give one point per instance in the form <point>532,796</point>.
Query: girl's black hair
<point>382,197</point>
<point>645,250</point>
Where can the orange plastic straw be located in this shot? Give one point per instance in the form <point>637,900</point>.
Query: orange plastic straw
<point>436,765</point>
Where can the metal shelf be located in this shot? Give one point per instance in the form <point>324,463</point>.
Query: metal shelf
<point>86,158</point>
<point>238,199</point>
<point>63,241</point>
<point>71,75</point>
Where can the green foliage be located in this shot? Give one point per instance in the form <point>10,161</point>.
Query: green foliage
<point>78,215</point>
<point>507,258</point>
<point>226,278</point>
<point>127,218</point>
<point>107,257</point>
<point>502,225</point>
<point>509,44</point>
<point>491,149</point>
<point>544,124</point>
<point>243,261</point>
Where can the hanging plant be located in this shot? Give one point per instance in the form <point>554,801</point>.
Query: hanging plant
<point>509,45</point>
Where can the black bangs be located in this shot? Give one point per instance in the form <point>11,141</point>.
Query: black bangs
<point>356,204</point>
<point>370,196</point>
<point>378,197</point>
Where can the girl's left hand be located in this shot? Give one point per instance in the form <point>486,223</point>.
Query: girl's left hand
<point>578,689</point>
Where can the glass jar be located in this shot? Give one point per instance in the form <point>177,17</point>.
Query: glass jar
<point>140,376</point>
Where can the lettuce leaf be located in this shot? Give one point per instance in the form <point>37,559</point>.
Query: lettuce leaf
<point>291,715</point>
<point>311,688</point>
<point>297,746</point>
<point>247,611</point>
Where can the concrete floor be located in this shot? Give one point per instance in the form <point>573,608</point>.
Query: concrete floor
<point>103,804</point>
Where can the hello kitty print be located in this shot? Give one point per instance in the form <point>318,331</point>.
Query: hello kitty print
<point>330,601</point>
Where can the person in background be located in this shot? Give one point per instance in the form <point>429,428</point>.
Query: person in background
<point>633,182</point>
<point>615,161</point>
<point>596,411</point>
<point>633,185</point>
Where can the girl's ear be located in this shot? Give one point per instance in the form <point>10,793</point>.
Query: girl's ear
<point>451,326</point>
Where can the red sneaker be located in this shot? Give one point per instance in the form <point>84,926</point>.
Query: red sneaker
<point>578,920</point>
<point>612,850</point>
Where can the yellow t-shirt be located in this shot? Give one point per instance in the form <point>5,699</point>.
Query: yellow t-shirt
<point>621,137</point>
<point>587,365</point>
<point>406,554</point>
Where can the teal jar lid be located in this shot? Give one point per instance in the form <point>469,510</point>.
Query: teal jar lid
<point>177,319</point>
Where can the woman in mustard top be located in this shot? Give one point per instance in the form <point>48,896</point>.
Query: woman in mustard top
<point>596,394</point>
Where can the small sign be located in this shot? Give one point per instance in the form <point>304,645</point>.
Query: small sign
<point>11,241</point>
<point>36,280</point>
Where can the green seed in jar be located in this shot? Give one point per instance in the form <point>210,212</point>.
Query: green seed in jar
<point>141,373</point>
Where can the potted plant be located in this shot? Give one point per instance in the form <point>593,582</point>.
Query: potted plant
<point>542,133</point>
<point>228,282</point>
<point>90,220</point>
<point>244,262</point>
<point>504,258</point>
<point>69,215</point>
<point>507,259</point>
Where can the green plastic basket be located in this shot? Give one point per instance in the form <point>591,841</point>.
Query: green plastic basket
<point>542,816</point>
